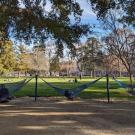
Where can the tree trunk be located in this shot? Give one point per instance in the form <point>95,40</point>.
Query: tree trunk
<point>131,83</point>
<point>50,73</point>
<point>120,74</point>
<point>18,74</point>
<point>80,75</point>
<point>93,73</point>
<point>25,73</point>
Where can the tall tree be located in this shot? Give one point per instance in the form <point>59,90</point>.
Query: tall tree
<point>7,56</point>
<point>55,64</point>
<point>38,62</point>
<point>117,15</point>
<point>1,67</point>
<point>121,43</point>
<point>29,20</point>
<point>21,58</point>
<point>92,50</point>
<point>89,55</point>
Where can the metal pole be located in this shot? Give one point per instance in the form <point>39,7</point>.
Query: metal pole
<point>107,88</point>
<point>36,90</point>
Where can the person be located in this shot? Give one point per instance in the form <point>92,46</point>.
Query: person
<point>80,76</point>
<point>76,80</point>
<point>69,95</point>
<point>4,94</point>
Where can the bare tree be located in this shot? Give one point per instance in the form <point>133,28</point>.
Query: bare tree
<point>112,64</point>
<point>37,61</point>
<point>121,43</point>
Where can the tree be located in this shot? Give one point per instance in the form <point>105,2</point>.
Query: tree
<point>37,61</point>
<point>113,64</point>
<point>7,56</point>
<point>55,64</point>
<point>79,59</point>
<point>89,55</point>
<point>92,50</point>
<point>50,52</point>
<point>121,43</point>
<point>21,58</point>
<point>103,7</point>
<point>1,67</point>
<point>28,20</point>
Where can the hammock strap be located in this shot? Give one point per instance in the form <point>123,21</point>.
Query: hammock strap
<point>75,91</point>
<point>121,84</point>
<point>18,87</point>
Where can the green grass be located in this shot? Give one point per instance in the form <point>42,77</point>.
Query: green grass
<point>98,90</point>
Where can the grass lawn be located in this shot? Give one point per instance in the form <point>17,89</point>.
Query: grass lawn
<point>97,90</point>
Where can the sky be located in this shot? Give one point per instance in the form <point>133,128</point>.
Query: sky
<point>89,17</point>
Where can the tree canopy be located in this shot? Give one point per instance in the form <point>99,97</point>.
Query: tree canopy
<point>30,20</point>
<point>7,57</point>
<point>102,7</point>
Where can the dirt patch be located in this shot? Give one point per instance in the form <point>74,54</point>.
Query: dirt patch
<point>57,116</point>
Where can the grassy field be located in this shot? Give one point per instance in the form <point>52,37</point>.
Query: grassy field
<point>97,90</point>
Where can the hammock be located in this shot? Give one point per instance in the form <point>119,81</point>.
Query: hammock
<point>75,91</point>
<point>14,87</point>
<point>123,85</point>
